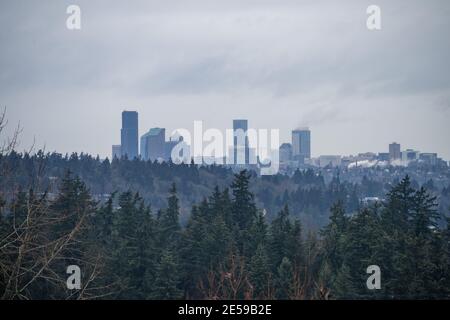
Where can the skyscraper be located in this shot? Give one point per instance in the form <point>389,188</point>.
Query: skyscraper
<point>116,151</point>
<point>240,145</point>
<point>394,151</point>
<point>153,144</point>
<point>285,152</point>
<point>129,134</point>
<point>301,144</point>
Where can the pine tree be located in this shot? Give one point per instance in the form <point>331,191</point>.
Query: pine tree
<point>445,260</point>
<point>296,245</point>
<point>166,284</point>
<point>280,238</point>
<point>217,241</point>
<point>226,208</point>
<point>344,284</point>
<point>400,200</point>
<point>258,233</point>
<point>333,238</point>
<point>168,222</point>
<point>243,209</point>
<point>215,201</point>
<point>133,248</point>
<point>360,249</point>
<point>193,255</point>
<point>424,246</point>
<point>424,214</point>
<point>103,222</point>
<point>408,222</point>
<point>284,280</point>
<point>73,203</point>
<point>70,226</point>
<point>259,270</point>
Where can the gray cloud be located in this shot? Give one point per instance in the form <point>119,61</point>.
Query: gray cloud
<point>279,63</point>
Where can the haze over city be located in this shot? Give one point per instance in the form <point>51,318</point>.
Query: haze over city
<point>309,63</point>
<point>235,152</point>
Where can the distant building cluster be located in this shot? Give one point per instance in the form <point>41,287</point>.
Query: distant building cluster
<point>155,147</point>
<point>153,144</point>
<point>298,154</point>
<point>293,155</point>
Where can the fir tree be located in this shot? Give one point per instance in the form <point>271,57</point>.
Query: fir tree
<point>133,246</point>
<point>284,280</point>
<point>168,221</point>
<point>280,238</point>
<point>166,284</point>
<point>259,270</point>
<point>193,255</point>
<point>243,209</point>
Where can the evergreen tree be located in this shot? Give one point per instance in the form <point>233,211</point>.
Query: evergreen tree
<point>360,249</point>
<point>259,271</point>
<point>284,280</point>
<point>226,207</point>
<point>258,233</point>
<point>445,262</point>
<point>103,222</point>
<point>397,215</point>
<point>73,203</point>
<point>133,247</point>
<point>193,255</point>
<point>333,238</point>
<point>243,209</point>
<point>166,284</point>
<point>280,238</point>
<point>168,221</point>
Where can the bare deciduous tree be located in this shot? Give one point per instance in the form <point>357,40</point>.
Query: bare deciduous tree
<point>32,256</point>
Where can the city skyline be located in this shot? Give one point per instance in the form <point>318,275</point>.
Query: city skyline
<point>282,66</point>
<point>224,151</point>
<point>155,146</point>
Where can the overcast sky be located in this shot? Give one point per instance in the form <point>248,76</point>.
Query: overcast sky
<point>280,64</point>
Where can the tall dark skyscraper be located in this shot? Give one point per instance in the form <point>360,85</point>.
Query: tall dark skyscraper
<point>301,144</point>
<point>129,134</point>
<point>394,151</point>
<point>241,145</point>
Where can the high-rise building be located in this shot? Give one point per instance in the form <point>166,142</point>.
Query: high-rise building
<point>153,145</point>
<point>240,146</point>
<point>410,155</point>
<point>285,152</point>
<point>169,145</point>
<point>383,156</point>
<point>116,151</point>
<point>301,144</point>
<point>129,134</point>
<point>394,151</point>
<point>429,158</point>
